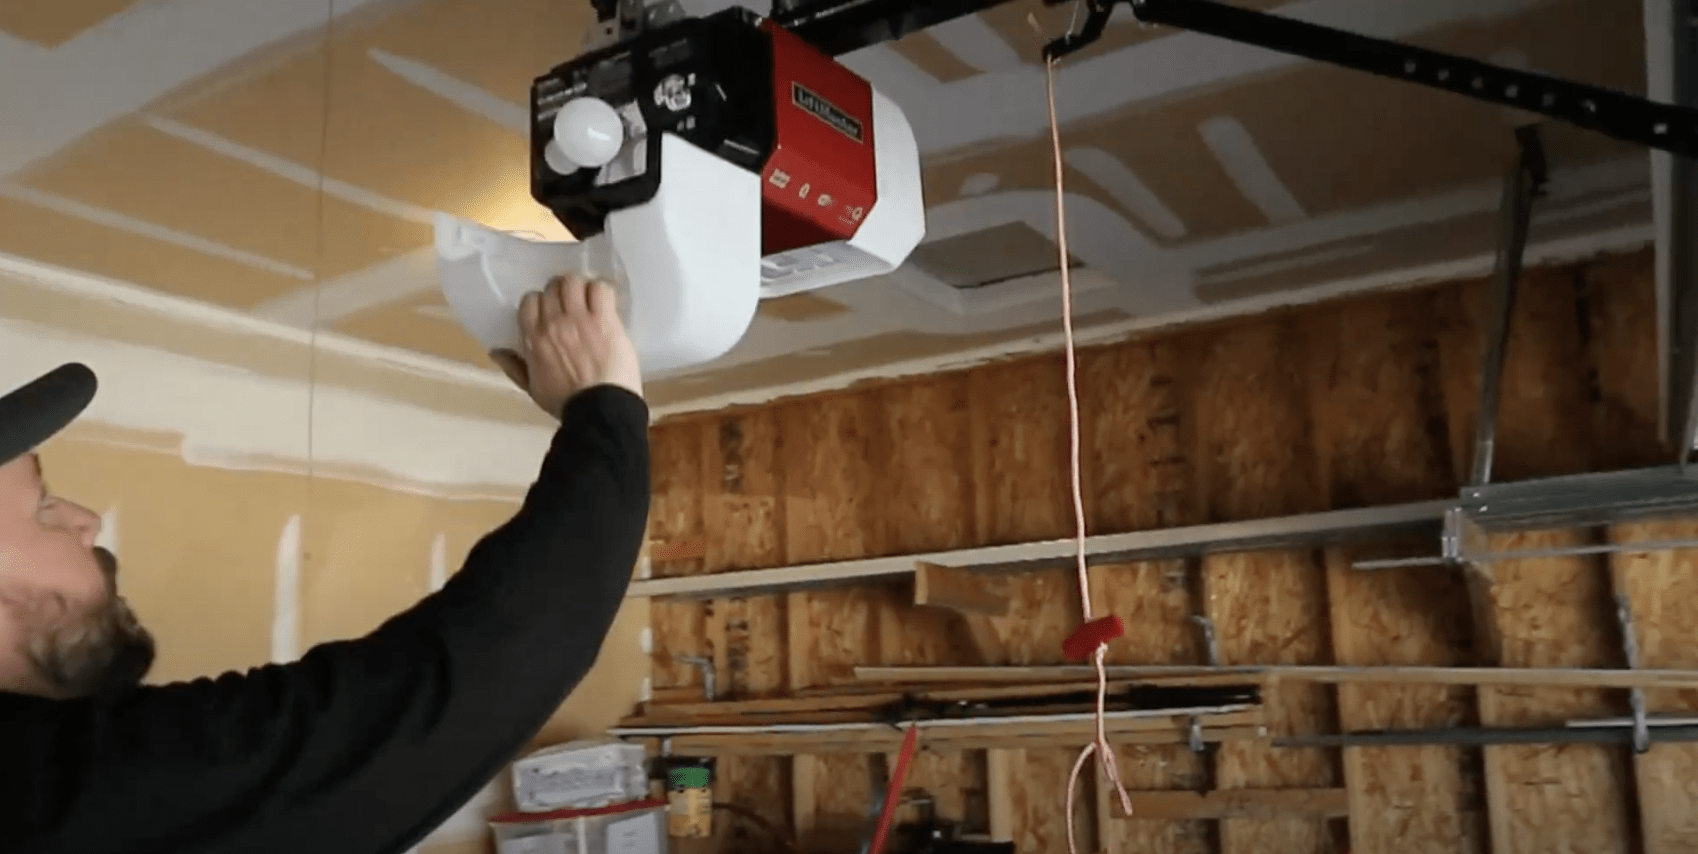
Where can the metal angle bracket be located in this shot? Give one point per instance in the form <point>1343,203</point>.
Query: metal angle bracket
<point>705,665</point>
<point>1211,644</point>
<point>1463,541</point>
<point>1568,501</point>
<point>1524,184</point>
<point>622,20</point>
<point>1636,696</point>
<point>1211,648</point>
<point>1466,544</point>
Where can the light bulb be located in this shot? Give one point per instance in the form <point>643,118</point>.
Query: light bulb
<point>557,159</point>
<point>588,133</point>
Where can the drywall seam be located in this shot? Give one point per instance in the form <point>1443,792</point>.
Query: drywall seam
<point>1607,204</point>
<point>142,228</point>
<point>288,170</point>
<point>976,43</point>
<point>102,289</point>
<point>232,418</point>
<point>89,432</point>
<point>405,275</point>
<point>893,74</point>
<point>979,183</point>
<point>142,53</point>
<point>108,537</point>
<point>472,99</point>
<point>286,595</point>
<point>1293,262</point>
<point>1124,186</point>
<point>1236,151</point>
<point>1613,175</point>
<point>438,562</point>
<point>1548,252</point>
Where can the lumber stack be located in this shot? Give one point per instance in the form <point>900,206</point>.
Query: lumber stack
<point>873,719</point>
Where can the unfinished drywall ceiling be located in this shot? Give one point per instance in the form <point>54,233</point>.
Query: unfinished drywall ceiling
<point>255,165</point>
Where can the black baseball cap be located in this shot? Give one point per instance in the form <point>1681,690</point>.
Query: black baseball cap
<point>32,414</point>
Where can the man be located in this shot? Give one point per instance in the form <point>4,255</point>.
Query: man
<point>361,746</point>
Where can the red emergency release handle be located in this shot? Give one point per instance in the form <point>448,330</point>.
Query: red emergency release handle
<point>1091,635</point>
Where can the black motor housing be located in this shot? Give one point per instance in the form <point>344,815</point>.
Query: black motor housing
<point>707,80</point>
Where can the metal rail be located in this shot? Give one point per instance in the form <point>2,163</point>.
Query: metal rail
<point>1626,117</point>
<point>840,26</point>
<point>1461,525</point>
<point>1592,500</point>
<point>1416,520</point>
<point>1492,735</point>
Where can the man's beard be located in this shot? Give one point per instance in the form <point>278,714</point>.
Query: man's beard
<point>105,653</point>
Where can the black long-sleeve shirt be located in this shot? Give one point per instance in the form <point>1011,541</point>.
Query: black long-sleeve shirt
<point>361,746</point>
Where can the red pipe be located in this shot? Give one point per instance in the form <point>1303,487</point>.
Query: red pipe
<point>893,793</point>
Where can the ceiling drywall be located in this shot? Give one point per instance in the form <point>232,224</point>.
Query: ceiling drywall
<point>232,175</point>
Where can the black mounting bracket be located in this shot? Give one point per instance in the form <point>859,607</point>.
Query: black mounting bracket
<point>605,10</point>
<point>837,27</point>
<point>1615,114</point>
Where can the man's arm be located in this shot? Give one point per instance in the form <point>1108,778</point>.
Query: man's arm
<point>364,745</point>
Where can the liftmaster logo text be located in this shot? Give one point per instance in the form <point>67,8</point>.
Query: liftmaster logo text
<point>825,111</point>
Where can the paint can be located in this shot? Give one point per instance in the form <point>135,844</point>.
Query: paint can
<point>689,796</point>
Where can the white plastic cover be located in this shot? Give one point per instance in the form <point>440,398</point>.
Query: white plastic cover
<point>686,263</point>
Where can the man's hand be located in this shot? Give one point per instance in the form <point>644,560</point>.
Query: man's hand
<point>571,339</point>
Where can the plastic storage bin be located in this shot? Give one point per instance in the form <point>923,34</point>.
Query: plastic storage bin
<point>638,827</point>
<point>580,774</point>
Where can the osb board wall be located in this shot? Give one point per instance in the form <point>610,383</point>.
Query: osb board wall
<point>1361,402</point>
<point>198,547</point>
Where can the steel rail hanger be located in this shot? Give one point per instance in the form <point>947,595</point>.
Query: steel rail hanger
<point>1615,114</point>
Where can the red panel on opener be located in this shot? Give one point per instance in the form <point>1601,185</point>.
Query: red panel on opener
<point>822,178</point>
